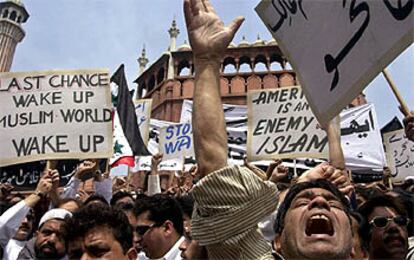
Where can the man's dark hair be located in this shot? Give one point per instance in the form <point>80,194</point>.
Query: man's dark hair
<point>368,207</point>
<point>95,197</point>
<point>161,208</point>
<point>119,195</point>
<point>99,215</point>
<point>367,193</point>
<point>296,189</point>
<point>187,204</point>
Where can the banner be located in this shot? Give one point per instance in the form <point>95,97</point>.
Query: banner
<point>400,155</point>
<point>338,47</point>
<point>55,115</point>
<point>143,163</point>
<point>143,111</point>
<point>176,141</point>
<point>281,125</point>
<point>361,138</point>
<point>231,112</point>
<point>26,176</point>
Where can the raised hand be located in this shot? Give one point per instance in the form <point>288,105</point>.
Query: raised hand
<point>54,174</point>
<point>276,171</point>
<point>45,183</point>
<point>208,35</point>
<point>84,169</point>
<point>336,176</point>
<point>409,126</point>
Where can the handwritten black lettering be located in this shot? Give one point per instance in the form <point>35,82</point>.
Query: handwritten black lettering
<point>331,63</point>
<point>282,7</point>
<point>401,12</point>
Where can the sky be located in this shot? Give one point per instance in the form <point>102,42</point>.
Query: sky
<point>79,34</point>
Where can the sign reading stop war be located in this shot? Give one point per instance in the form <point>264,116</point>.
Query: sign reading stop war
<point>55,115</point>
<point>176,141</point>
<point>400,155</point>
<point>338,47</point>
<point>281,125</point>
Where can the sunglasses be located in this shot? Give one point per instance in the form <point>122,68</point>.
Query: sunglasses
<point>141,230</point>
<point>382,222</point>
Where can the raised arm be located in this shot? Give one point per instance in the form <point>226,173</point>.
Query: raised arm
<point>409,126</point>
<point>336,155</point>
<point>209,39</point>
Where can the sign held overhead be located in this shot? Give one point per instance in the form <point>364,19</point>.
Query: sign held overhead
<point>338,47</point>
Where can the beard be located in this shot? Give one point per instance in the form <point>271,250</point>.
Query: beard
<point>47,251</point>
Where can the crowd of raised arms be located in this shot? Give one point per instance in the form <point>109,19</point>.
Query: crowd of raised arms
<point>212,211</point>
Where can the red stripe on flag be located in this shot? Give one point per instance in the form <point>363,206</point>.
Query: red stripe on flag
<point>128,160</point>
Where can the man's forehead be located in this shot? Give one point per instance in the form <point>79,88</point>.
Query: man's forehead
<point>383,211</point>
<point>313,192</point>
<point>53,223</point>
<point>99,233</point>
<point>143,218</point>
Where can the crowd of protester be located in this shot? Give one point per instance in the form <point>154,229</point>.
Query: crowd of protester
<point>212,211</point>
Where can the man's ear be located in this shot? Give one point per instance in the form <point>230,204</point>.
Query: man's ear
<point>132,254</point>
<point>169,227</point>
<point>277,244</point>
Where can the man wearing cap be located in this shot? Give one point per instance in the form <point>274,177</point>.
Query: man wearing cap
<point>49,242</point>
<point>16,224</point>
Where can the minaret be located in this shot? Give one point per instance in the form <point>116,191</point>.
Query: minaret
<point>12,15</point>
<point>173,31</point>
<point>143,61</point>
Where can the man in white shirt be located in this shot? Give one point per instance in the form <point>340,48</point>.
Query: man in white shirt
<point>159,227</point>
<point>16,224</point>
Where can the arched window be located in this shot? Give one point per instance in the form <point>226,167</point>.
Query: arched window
<point>275,66</point>
<point>13,16</point>
<point>184,68</point>
<point>245,64</point>
<point>230,68</point>
<point>5,13</point>
<point>185,72</point>
<point>151,83</point>
<point>160,75</point>
<point>260,63</point>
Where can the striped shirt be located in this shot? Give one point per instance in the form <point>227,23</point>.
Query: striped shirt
<point>228,205</point>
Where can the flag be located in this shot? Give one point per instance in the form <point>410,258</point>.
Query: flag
<point>127,137</point>
<point>393,125</point>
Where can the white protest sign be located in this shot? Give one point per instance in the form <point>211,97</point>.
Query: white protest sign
<point>361,138</point>
<point>400,155</point>
<point>281,125</point>
<point>231,112</point>
<point>338,47</point>
<point>176,140</point>
<point>143,163</point>
<point>143,111</point>
<point>55,115</point>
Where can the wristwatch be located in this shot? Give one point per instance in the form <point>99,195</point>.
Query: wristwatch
<point>39,194</point>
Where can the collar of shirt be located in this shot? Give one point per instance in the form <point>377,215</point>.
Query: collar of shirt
<point>174,252</point>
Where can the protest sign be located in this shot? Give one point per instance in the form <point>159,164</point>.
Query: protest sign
<point>361,138</point>
<point>232,113</point>
<point>26,176</point>
<point>338,47</point>
<point>400,155</point>
<point>143,163</point>
<point>143,111</point>
<point>281,125</point>
<point>176,141</point>
<point>55,115</point>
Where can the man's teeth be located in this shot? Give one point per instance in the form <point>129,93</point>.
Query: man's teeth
<point>320,217</point>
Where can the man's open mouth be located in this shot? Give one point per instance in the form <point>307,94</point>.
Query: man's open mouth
<point>319,224</point>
